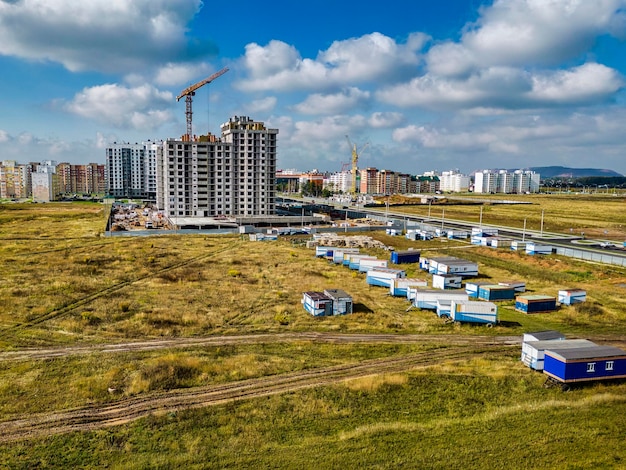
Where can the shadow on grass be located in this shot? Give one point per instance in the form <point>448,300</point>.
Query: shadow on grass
<point>509,324</point>
<point>361,308</point>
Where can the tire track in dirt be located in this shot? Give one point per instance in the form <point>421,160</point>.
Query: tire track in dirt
<point>130,409</point>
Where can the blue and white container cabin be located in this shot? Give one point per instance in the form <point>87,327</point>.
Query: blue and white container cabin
<point>457,266</point>
<point>471,287</point>
<point>533,352</point>
<point>544,335</point>
<point>324,251</point>
<point>443,308</point>
<point>518,245</point>
<point>338,254</point>
<point>317,304</point>
<point>474,311</point>
<point>366,264</point>
<point>407,256</point>
<point>447,281</point>
<point>519,286</point>
<point>572,296</point>
<point>383,277</point>
<point>480,240</point>
<point>342,302</point>
<point>433,263</point>
<point>424,264</point>
<point>585,364</point>
<point>497,242</point>
<point>399,287</point>
<point>496,293</point>
<point>427,299</point>
<point>538,249</point>
<point>457,234</point>
<point>484,231</point>
<point>535,303</point>
<point>355,259</point>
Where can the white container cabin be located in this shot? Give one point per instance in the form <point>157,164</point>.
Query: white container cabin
<point>572,296</point>
<point>545,335</point>
<point>355,258</point>
<point>472,287</point>
<point>342,302</point>
<point>366,264</point>
<point>457,234</point>
<point>427,299</point>
<point>338,254</point>
<point>443,308</point>
<point>533,352</point>
<point>484,232</point>
<point>324,251</point>
<point>434,262</point>
<point>538,249</point>
<point>518,245</point>
<point>474,311</point>
<point>447,281</point>
<point>497,242</point>
<point>384,277</point>
<point>399,287</point>
<point>317,304</point>
<point>458,266</point>
<point>519,286</point>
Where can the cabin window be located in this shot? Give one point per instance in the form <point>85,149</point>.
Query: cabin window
<point>591,367</point>
<point>609,365</point>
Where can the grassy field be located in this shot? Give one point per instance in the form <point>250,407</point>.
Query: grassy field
<point>62,284</point>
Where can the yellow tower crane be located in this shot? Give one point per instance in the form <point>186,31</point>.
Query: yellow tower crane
<point>189,92</point>
<point>355,163</point>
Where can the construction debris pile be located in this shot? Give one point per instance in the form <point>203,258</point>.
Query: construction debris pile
<point>332,239</point>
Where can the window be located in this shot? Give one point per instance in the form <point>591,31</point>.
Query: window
<point>609,365</point>
<point>591,367</point>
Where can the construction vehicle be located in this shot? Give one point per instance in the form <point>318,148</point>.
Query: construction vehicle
<point>189,93</point>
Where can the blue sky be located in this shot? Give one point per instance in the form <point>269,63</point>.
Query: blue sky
<point>452,84</point>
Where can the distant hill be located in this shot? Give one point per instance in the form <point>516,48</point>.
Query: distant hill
<point>564,172</point>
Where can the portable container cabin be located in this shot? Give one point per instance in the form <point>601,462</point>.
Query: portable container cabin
<point>545,335</point>
<point>399,287</point>
<point>535,303</point>
<point>484,232</point>
<point>366,264</point>
<point>412,235</point>
<point>497,242</point>
<point>519,286</point>
<point>384,277</point>
<point>533,352</point>
<point>496,292</point>
<point>460,267</point>
<point>342,302</point>
<point>355,259</point>
<point>457,234</point>
<point>427,299</point>
<point>517,245</point>
<point>317,304</point>
<point>338,254</point>
<point>473,311</point>
<point>537,249</point>
<point>480,240</point>
<point>433,263</point>
<point>401,257</point>
<point>585,364</point>
<point>471,287</point>
<point>443,308</point>
<point>572,296</point>
<point>447,281</point>
<point>324,251</point>
<point>424,264</point>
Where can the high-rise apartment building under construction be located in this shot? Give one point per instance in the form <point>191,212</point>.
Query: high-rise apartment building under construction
<point>231,175</point>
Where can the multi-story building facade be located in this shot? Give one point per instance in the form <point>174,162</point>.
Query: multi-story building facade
<point>453,181</point>
<point>15,181</point>
<point>81,179</point>
<point>502,181</point>
<point>233,175</point>
<point>340,182</point>
<point>131,170</point>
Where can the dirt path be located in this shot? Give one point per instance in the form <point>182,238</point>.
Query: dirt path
<point>129,409</point>
<point>182,343</point>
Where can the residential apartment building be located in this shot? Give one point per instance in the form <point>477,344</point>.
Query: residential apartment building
<point>81,179</point>
<point>339,182</point>
<point>453,181</point>
<point>231,175</point>
<point>15,181</point>
<point>131,170</point>
<point>503,181</point>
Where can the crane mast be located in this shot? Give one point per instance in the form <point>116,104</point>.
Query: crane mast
<point>189,93</point>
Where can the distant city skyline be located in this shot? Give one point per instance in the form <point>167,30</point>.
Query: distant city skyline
<point>456,84</point>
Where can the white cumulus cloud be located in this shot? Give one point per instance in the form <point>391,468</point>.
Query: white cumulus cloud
<point>337,103</point>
